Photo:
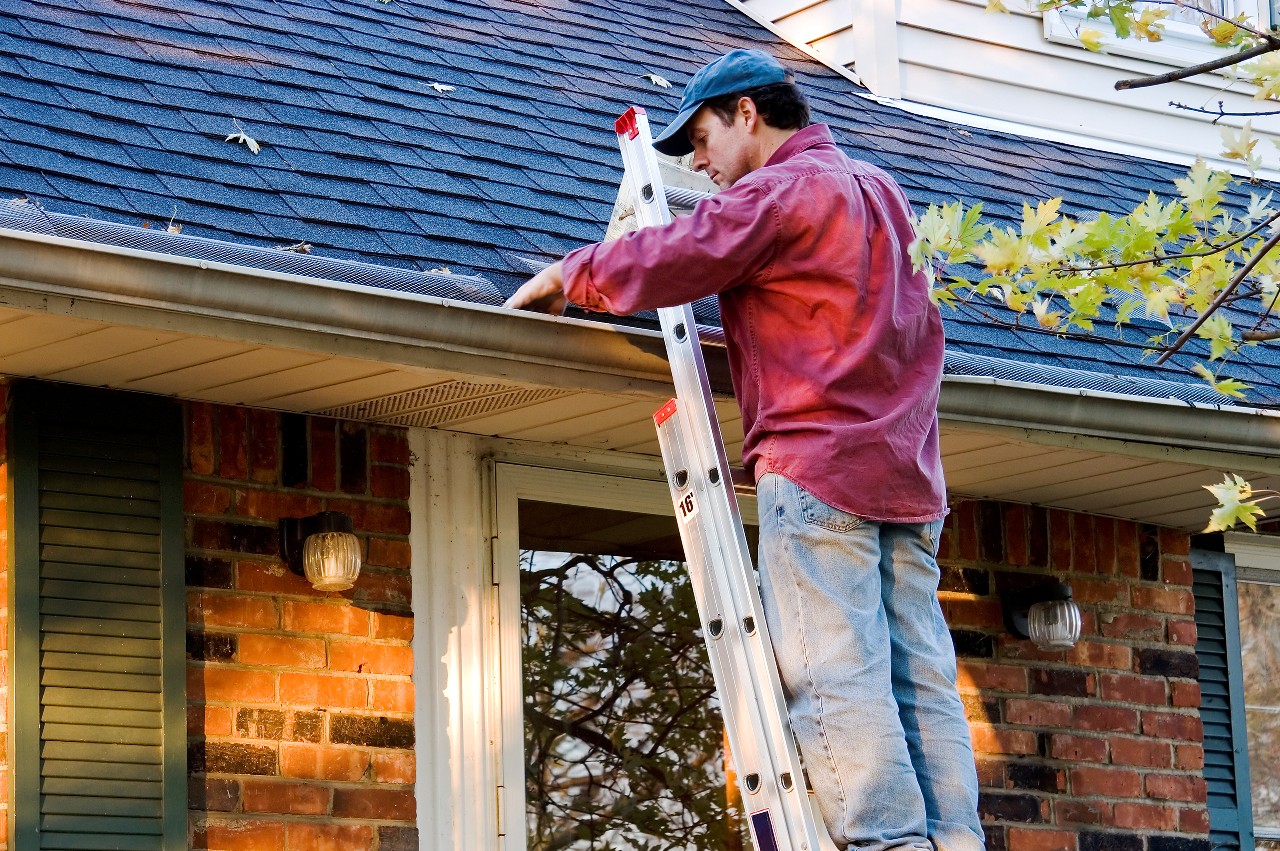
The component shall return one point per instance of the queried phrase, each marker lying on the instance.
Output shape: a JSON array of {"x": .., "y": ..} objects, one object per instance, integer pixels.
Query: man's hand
[{"x": 543, "y": 292}]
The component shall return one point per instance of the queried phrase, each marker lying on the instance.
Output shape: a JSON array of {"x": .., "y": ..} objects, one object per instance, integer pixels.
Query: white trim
[
  {"x": 1261, "y": 552},
  {"x": 875, "y": 46},
  {"x": 513, "y": 482}
]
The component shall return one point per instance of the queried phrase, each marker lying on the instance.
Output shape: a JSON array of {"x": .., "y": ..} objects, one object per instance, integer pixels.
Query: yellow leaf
[
  {"x": 1240, "y": 144},
  {"x": 1091, "y": 39},
  {"x": 1149, "y": 24},
  {"x": 995, "y": 7},
  {"x": 1237, "y": 503}
]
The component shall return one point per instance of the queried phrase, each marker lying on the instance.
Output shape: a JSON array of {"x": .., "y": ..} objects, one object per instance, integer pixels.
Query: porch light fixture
[
  {"x": 1046, "y": 614},
  {"x": 323, "y": 548}
]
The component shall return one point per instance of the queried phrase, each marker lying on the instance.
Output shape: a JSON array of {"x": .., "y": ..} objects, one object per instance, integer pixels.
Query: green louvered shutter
[
  {"x": 1226, "y": 751},
  {"x": 98, "y": 621}
]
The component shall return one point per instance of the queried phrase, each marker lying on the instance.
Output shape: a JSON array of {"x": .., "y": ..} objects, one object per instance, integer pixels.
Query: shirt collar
[{"x": 802, "y": 140}]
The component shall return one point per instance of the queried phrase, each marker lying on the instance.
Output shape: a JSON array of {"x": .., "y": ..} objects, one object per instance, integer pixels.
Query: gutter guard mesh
[{"x": 33, "y": 218}]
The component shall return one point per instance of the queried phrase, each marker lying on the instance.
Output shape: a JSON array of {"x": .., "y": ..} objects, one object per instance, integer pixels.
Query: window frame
[
  {"x": 512, "y": 483},
  {"x": 1257, "y": 560},
  {"x": 1182, "y": 46}
]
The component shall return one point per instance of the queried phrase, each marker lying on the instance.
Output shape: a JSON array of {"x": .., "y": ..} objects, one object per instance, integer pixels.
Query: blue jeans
[{"x": 869, "y": 672}]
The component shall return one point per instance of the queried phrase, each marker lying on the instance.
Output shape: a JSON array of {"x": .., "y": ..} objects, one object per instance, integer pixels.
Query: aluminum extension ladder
[{"x": 780, "y": 814}]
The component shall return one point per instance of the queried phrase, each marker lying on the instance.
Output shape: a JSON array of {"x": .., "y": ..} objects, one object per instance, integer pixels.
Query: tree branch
[
  {"x": 1269, "y": 44},
  {"x": 1260, "y": 336},
  {"x": 1271, "y": 243},
  {"x": 1220, "y": 112}
]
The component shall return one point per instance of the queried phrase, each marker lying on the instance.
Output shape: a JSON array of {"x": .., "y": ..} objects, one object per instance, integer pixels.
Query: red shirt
[{"x": 834, "y": 345}]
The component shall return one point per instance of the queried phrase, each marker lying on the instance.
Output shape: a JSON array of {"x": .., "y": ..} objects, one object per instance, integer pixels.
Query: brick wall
[
  {"x": 1097, "y": 748},
  {"x": 4, "y": 616},
  {"x": 300, "y": 702}
]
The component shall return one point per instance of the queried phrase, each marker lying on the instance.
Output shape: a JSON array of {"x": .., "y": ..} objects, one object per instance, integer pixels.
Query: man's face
[{"x": 721, "y": 149}]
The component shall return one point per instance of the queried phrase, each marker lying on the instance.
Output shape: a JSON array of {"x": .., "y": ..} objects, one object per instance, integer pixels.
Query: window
[{"x": 1183, "y": 43}]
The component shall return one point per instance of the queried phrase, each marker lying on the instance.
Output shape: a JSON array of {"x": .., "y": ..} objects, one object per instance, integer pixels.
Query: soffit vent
[{"x": 445, "y": 404}]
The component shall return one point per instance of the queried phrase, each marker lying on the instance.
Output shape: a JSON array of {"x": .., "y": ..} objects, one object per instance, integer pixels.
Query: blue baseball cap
[{"x": 734, "y": 72}]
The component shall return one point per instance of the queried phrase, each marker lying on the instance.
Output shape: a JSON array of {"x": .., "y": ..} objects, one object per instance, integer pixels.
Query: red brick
[
  {"x": 1106, "y": 782},
  {"x": 324, "y": 454},
  {"x": 1015, "y": 535},
  {"x": 1193, "y": 820},
  {"x": 392, "y": 696},
  {"x": 1188, "y": 757},
  {"x": 1129, "y": 626},
  {"x": 384, "y": 518},
  {"x": 241, "y": 835},
  {"x": 282, "y": 651},
  {"x": 1170, "y": 725},
  {"x": 231, "y": 684},
  {"x": 1182, "y": 632},
  {"x": 389, "y": 447},
  {"x": 312, "y": 762},
  {"x": 360, "y": 657},
  {"x": 1143, "y": 752},
  {"x": 1178, "y": 601},
  {"x": 202, "y": 498},
  {"x": 389, "y": 482},
  {"x": 231, "y": 610},
  {"x": 1131, "y": 688},
  {"x": 1175, "y": 570},
  {"x": 1104, "y": 545},
  {"x": 233, "y": 442},
  {"x": 264, "y": 446},
  {"x": 270, "y": 577},
  {"x": 1081, "y": 812},
  {"x": 1127, "y": 551},
  {"x": 272, "y": 504},
  {"x": 1185, "y": 694},
  {"x": 1112, "y": 719},
  {"x": 313, "y": 836},
  {"x": 328, "y": 692},
  {"x": 965, "y": 540},
  {"x": 989, "y": 739},
  {"x": 392, "y": 627},
  {"x": 1174, "y": 543},
  {"x": 972, "y": 612},
  {"x": 1040, "y": 839},
  {"x": 302, "y": 799},
  {"x": 991, "y": 772},
  {"x": 1176, "y": 787},
  {"x": 1096, "y": 654},
  {"x": 393, "y": 589},
  {"x": 1105, "y": 591},
  {"x": 1139, "y": 816},
  {"x": 326, "y": 618},
  {"x": 1078, "y": 748},
  {"x": 388, "y": 552},
  {"x": 200, "y": 438},
  {"x": 209, "y": 720},
  {"x": 985, "y": 675},
  {"x": 1059, "y": 540},
  {"x": 1038, "y": 713},
  {"x": 394, "y": 804},
  {"x": 394, "y": 768},
  {"x": 1083, "y": 557}
]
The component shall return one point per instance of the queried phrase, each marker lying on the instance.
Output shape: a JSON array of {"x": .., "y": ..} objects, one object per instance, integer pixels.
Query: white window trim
[
  {"x": 1183, "y": 44},
  {"x": 1257, "y": 560},
  {"x": 512, "y": 483}
]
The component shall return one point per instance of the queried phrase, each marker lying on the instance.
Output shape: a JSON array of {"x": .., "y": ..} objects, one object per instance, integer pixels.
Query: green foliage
[{"x": 623, "y": 734}]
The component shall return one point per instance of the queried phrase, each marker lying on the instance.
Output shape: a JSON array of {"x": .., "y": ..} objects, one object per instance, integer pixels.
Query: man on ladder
[{"x": 836, "y": 356}]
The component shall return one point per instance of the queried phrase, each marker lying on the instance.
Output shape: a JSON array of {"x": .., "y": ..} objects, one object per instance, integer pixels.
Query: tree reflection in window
[{"x": 623, "y": 734}]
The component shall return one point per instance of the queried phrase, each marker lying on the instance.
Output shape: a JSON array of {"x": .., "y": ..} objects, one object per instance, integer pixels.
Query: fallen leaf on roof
[
  {"x": 441, "y": 87},
  {"x": 660, "y": 82},
  {"x": 296, "y": 248},
  {"x": 242, "y": 137},
  {"x": 439, "y": 270},
  {"x": 19, "y": 200}
]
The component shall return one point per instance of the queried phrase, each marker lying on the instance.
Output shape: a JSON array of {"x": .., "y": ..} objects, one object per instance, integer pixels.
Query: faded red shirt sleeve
[{"x": 729, "y": 239}]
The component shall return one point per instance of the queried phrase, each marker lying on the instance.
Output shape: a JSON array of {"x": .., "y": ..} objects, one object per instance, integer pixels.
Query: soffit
[{"x": 1143, "y": 482}]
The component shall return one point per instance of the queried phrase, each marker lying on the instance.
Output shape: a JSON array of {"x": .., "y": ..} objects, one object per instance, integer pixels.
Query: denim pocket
[{"x": 818, "y": 513}]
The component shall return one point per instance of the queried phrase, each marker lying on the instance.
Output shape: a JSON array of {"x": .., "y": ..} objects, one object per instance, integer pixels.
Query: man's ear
[{"x": 747, "y": 110}]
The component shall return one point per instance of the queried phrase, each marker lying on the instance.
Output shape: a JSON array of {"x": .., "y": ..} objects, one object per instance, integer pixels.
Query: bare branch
[
  {"x": 1260, "y": 336},
  {"x": 1269, "y": 43},
  {"x": 1271, "y": 243},
  {"x": 1220, "y": 112}
]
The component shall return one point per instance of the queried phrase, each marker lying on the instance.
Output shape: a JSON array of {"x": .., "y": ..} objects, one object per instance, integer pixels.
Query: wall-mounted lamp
[
  {"x": 1044, "y": 613},
  {"x": 323, "y": 548}
]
